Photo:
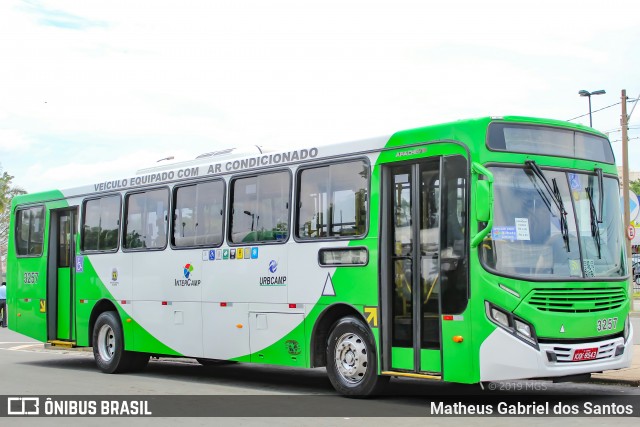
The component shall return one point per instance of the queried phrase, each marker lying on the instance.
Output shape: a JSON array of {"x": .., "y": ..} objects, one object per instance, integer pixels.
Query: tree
[
  {"x": 7, "y": 192},
  {"x": 635, "y": 186}
]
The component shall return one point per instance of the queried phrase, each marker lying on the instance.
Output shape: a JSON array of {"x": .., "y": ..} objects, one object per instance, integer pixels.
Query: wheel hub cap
[
  {"x": 351, "y": 358},
  {"x": 106, "y": 343}
]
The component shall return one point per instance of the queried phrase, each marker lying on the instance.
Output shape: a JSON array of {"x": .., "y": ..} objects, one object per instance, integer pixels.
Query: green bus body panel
[
  {"x": 460, "y": 359},
  {"x": 402, "y": 358},
  {"x": 430, "y": 360},
  {"x": 24, "y": 299}
]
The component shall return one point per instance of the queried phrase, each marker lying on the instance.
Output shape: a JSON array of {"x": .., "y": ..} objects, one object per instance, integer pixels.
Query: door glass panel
[
  {"x": 402, "y": 298},
  {"x": 429, "y": 249},
  {"x": 64, "y": 227},
  {"x": 453, "y": 259}
]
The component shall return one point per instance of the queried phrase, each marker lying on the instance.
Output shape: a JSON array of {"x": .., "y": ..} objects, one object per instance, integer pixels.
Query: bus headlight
[
  {"x": 512, "y": 324},
  {"x": 500, "y": 317},
  {"x": 627, "y": 328},
  {"x": 522, "y": 328}
]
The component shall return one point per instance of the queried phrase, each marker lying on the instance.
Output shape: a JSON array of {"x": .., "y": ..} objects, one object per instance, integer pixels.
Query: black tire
[
  {"x": 351, "y": 359},
  {"x": 108, "y": 347},
  {"x": 214, "y": 362}
]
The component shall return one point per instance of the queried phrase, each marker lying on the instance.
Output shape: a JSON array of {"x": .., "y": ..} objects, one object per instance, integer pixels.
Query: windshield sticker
[
  {"x": 589, "y": 268},
  {"x": 574, "y": 268},
  {"x": 522, "y": 229},
  {"x": 503, "y": 233},
  {"x": 574, "y": 182}
]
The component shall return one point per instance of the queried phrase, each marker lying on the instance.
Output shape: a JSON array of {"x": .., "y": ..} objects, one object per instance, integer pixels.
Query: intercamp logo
[
  {"x": 187, "y": 270},
  {"x": 23, "y": 406},
  {"x": 188, "y": 280}
]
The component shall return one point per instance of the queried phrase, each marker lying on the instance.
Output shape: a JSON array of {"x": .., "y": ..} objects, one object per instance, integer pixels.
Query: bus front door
[
  {"x": 60, "y": 301},
  {"x": 412, "y": 307}
]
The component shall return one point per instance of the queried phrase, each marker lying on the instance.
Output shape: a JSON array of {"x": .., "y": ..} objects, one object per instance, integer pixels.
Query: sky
[{"x": 91, "y": 90}]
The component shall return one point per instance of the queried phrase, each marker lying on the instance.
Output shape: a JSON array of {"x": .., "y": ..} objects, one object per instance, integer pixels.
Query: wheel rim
[
  {"x": 106, "y": 343},
  {"x": 351, "y": 358}
]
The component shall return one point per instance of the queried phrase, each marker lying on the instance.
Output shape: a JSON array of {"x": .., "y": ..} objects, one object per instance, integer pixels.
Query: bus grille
[{"x": 588, "y": 300}]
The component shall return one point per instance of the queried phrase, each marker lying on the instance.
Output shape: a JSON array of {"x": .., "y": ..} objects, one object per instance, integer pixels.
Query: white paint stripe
[
  {"x": 43, "y": 351},
  {"x": 19, "y": 342},
  {"x": 19, "y": 347}
]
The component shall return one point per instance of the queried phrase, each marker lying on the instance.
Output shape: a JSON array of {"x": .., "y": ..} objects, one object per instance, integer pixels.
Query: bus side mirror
[{"x": 483, "y": 201}]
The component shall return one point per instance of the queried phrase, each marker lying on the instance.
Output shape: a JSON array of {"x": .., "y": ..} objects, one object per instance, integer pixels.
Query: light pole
[{"x": 588, "y": 95}]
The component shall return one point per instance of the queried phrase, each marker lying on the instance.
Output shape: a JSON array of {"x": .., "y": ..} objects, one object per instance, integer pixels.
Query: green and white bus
[{"x": 479, "y": 250}]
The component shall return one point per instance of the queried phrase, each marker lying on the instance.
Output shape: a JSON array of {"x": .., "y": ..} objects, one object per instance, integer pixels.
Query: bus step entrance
[
  {"x": 57, "y": 344},
  {"x": 426, "y": 376}
]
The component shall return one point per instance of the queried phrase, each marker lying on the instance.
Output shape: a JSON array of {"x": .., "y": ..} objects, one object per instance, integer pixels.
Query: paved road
[{"x": 29, "y": 369}]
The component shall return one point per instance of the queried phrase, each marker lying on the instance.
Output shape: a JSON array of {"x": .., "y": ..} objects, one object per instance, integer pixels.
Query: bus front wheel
[
  {"x": 351, "y": 359},
  {"x": 108, "y": 347}
]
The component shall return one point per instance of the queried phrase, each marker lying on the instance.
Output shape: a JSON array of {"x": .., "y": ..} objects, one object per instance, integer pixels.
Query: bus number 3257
[{"x": 607, "y": 324}]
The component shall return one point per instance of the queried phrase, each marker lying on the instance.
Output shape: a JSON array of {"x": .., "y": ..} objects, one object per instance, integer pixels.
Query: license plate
[{"x": 585, "y": 354}]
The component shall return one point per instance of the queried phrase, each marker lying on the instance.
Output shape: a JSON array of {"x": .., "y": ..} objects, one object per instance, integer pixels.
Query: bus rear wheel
[
  {"x": 351, "y": 359},
  {"x": 108, "y": 347}
]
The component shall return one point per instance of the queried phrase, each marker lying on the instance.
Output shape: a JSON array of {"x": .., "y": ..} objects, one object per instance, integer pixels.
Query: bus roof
[{"x": 469, "y": 131}]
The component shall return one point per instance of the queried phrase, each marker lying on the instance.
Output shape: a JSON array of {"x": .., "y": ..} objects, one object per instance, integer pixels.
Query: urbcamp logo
[
  {"x": 188, "y": 280},
  {"x": 273, "y": 280},
  {"x": 273, "y": 266}
]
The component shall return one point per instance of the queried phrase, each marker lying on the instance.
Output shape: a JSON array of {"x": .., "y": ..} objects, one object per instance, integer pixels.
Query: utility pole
[{"x": 625, "y": 185}]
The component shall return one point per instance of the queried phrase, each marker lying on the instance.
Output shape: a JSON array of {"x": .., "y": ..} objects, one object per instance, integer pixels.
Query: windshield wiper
[
  {"x": 563, "y": 218},
  {"x": 595, "y": 228},
  {"x": 601, "y": 192},
  {"x": 556, "y": 197}
]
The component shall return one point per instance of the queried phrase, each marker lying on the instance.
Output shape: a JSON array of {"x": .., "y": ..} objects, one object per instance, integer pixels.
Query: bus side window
[
  {"x": 133, "y": 226},
  {"x": 30, "y": 231},
  {"x": 312, "y": 203},
  {"x": 100, "y": 224},
  {"x": 184, "y": 216},
  {"x": 332, "y": 200},
  {"x": 22, "y": 232},
  {"x": 259, "y": 208},
  {"x": 147, "y": 216}
]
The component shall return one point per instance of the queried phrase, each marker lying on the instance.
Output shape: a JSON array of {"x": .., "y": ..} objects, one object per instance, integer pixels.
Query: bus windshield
[{"x": 554, "y": 230}]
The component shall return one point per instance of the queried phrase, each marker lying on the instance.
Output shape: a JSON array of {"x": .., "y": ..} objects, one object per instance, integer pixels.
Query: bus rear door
[{"x": 62, "y": 268}]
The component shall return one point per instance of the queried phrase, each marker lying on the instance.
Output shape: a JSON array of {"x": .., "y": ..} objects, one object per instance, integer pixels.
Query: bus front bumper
[{"x": 505, "y": 357}]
